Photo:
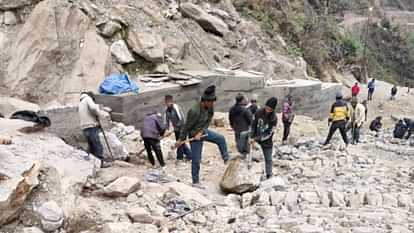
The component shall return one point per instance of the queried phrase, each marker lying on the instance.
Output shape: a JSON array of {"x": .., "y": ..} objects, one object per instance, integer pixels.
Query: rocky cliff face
[{"x": 55, "y": 49}]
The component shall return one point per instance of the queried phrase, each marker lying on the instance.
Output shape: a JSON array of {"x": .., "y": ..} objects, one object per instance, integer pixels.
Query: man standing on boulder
[
  {"x": 89, "y": 114},
  {"x": 175, "y": 116},
  {"x": 196, "y": 128},
  {"x": 264, "y": 123},
  {"x": 338, "y": 119},
  {"x": 240, "y": 121}
]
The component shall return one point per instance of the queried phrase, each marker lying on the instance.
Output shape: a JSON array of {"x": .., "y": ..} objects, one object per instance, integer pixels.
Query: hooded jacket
[
  {"x": 263, "y": 126},
  {"x": 357, "y": 114},
  {"x": 240, "y": 118},
  {"x": 153, "y": 127},
  {"x": 88, "y": 112}
]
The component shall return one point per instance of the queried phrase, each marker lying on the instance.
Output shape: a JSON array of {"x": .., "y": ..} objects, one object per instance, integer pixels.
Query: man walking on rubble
[
  {"x": 152, "y": 130},
  {"x": 262, "y": 131},
  {"x": 89, "y": 114},
  {"x": 196, "y": 128},
  {"x": 175, "y": 116},
  {"x": 338, "y": 119},
  {"x": 287, "y": 117},
  {"x": 357, "y": 113},
  {"x": 240, "y": 119}
]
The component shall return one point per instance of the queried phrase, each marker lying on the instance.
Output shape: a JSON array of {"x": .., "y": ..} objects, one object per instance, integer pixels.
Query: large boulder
[
  {"x": 237, "y": 178},
  {"x": 208, "y": 22},
  {"x": 122, "y": 186},
  {"x": 55, "y": 56},
  {"x": 17, "y": 180},
  {"x": 147, "y": 45},
  {"x": 10, "y": 105},
  {"x": 120, "y": 51},
  {"x": 14, "y": 4},
  {"x": 118, "y": 150},
  {"x": 51, "y": 216}
]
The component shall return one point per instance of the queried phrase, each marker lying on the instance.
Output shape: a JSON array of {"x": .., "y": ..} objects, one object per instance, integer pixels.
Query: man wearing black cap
[
  {"x": 196, "y": 128},
  {"x": 240, "y": 121},
  {"x": 338, "y": 119},
  {"x": 264, "y": 123}
]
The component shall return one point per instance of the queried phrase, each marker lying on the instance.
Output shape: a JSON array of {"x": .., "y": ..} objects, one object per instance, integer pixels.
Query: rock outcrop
[
  {"x": 44, "y": 59},
  {"x": 147, "y": 45}
]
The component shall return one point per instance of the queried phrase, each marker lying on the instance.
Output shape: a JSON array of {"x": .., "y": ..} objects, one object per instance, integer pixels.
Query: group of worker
[{"x": 252, "y": 125}]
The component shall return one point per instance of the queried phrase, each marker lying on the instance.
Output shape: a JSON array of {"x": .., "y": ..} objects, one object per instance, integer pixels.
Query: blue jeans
[
  {"x": 197, "y": 149},
  {"x": 95, "y": 146},
  {"x": 183, "y": 149}
]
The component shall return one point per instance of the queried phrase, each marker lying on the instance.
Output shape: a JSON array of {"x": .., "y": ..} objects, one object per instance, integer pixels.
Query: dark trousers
[
  {"x": 410, "y": 131},
  {"x": 95, "y": 145},
  {"x": 268, "y": 153},
  {"x": 183, "y": 149},
  {"x": 242, "y": 142},
  {"x": 356, "y": 133},
  {"x": 197, "y": 149},
  {"x": 154, "y": 145},
  {"x": 286, "y": 130},
  {"x": 341, "y": 125},
  {"x": 370, "y": 93}
]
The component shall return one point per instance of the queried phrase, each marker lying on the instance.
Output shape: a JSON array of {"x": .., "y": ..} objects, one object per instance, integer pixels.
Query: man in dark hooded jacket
[
  {"x": 410, "y": 125},
  {"x": 400, "y": 129},
  {"x": 240, "y": 121},
  {"x": 264, "y": 123}
]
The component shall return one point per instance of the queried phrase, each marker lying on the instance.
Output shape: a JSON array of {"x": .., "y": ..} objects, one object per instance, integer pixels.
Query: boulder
[
  {"x": 208, "y": 22},
  {"x": 291, "y": 200},
  {"x": 110, "y": 28},
  {"x": 9, "y": 18},
  {"x": 69, "y": 56},
  {"x": 122, "y": 186},
  {"x": 14, "y": 4},
  {"x": 237, "y": 178},
  {"x": 16, "y": 185},
  {"x": 121, "y": 53},
  {"x": 141, "y": 215},
  {"x": 10, "y": 105},
  {"x": 147, "y": 45},
  {"x": 277, "y": 197},
  {"x": 336, "y": 199},
  {"x": 276, "y": 183},
  {"x": 119, "y": 151},
  {"x": 51, "y": 216}
]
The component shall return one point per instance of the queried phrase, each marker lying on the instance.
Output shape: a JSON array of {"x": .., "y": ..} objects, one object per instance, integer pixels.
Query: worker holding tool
[
  {"x": 152, "y": 130},
  {"x": 175, "y": 117},
  {"x": 262, "y": 131},
  {"x": 196, "y": 128},
  {"x": 89, "y": 114}
]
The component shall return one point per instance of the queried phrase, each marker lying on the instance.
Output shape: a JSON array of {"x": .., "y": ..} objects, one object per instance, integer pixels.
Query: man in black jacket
[
  {"x": 240, "y": 121},
  {"x": 264, "y": 123}
]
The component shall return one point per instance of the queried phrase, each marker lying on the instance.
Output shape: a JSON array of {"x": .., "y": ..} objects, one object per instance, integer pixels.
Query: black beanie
[
  {"x": 209, "y": 94},
  {"x": 271, "y": 103}
]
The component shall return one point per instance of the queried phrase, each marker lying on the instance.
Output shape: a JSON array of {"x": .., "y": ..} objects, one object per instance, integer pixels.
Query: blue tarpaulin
[{"x": 118, "y": 84}]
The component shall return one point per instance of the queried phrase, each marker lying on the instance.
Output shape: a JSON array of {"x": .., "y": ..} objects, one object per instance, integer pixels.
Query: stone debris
[
  {"x": 119, "y": 152},
  {"x": 9, "y": 18},
  {"x": 51, "y": 216},
  {"x": 208, "y": 22},
  {"x": 122, "y": 187}
]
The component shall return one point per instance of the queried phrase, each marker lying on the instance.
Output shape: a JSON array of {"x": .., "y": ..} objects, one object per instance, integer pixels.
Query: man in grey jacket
[
  {"x": 175, "y": 116},
  {"x": 152, "y": 130},
  {"x": 89, "y": 113}
]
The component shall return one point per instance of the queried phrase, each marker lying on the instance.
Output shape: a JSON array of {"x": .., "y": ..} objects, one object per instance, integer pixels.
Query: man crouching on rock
[
  {"x": 196, "y": 128},
  {"x": 264, "y": 123},
  {"x": 89, "y": 114}
]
